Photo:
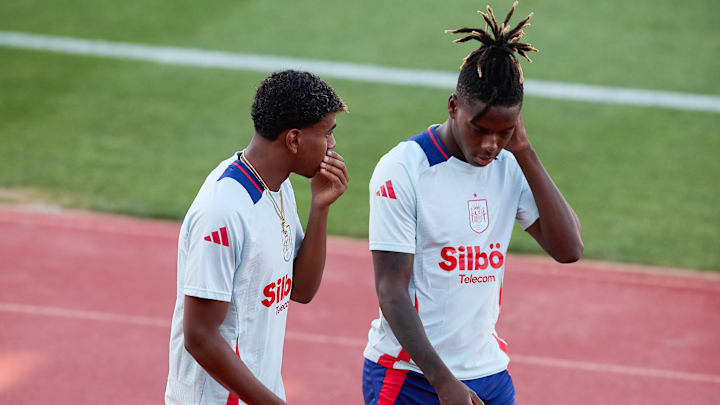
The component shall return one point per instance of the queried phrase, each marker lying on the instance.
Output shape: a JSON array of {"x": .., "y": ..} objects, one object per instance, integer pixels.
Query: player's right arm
[
  {"x": 207, "y": 286},
  {"x": 393, "y": 224},
  {"x": 392, "y": 276},
  {"x": 201, "y": 322}
]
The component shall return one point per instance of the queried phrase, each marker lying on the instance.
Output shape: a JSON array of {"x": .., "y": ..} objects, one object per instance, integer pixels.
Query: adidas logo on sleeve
[
  {"x": 386, "y": 190},
  {"x": 219, "y": 237}
]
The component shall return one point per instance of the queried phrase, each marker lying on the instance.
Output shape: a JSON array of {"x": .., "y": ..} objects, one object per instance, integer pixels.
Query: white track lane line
[
  {"x": 25, "y": 309},
  {"x": 348, "y": 71}
]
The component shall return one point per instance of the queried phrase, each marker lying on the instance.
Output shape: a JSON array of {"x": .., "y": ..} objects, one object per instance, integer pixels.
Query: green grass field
[{"x": 138, "y": 138}]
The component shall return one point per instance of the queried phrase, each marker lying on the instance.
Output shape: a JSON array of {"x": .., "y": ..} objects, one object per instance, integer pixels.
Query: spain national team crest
[
  {"x": 287, "y": 244},
  {"x": 479, "y": 215}
]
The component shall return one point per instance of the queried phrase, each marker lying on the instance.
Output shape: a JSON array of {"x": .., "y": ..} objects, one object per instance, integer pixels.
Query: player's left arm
[
  {"x": 557, "y": 229},
  {"x": 326, "y": 186}
]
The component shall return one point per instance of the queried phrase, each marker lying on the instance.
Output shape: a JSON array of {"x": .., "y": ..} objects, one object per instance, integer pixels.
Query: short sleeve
[
  {"x": 527, "y": 212},
  {"x": 393, "y": 213},
  {"x": 214, "y": 241}
]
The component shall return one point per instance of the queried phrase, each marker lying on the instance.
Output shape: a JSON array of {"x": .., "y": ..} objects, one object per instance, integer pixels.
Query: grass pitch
[{"x": 139, "y": 138}]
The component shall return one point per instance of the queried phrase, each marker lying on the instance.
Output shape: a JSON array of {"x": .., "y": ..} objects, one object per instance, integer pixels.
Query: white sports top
[
  {"x": 457, "y": 220},
  {"x": 231, "y": 249}
]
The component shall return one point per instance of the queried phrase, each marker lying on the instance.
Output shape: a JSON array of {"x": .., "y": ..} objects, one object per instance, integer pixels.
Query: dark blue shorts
[{"x": 387, "y": 386}]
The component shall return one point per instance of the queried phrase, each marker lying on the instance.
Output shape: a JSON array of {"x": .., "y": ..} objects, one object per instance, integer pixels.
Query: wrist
[
  {"x": 440, "y": 379},
  {"x": 523, "y": 152},
  {"x": 319, "y": 207}
]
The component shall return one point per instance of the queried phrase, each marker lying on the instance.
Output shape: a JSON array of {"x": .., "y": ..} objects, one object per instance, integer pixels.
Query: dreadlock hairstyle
[{"x": 492, "y": 73}]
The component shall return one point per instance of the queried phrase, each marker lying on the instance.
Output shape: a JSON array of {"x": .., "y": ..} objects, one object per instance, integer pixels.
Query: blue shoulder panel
[
  {"x": 434, "y": 150},
  {"x": 240, "y": 173}
]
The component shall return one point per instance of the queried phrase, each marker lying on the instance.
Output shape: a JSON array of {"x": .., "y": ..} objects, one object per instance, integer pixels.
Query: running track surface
[{"x": 86, "y": 301}]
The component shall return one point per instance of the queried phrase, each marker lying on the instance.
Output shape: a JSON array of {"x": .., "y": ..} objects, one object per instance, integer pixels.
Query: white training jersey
[
  {"x": 231, "y": 248},
  {"x": 457, "y": 220}
]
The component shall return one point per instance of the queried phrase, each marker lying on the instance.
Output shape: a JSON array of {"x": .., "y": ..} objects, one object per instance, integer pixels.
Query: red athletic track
[{"x": 86, "y": 300}]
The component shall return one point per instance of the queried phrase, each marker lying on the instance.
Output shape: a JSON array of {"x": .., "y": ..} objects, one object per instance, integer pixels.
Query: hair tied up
[{"x": 497, "y": 38}]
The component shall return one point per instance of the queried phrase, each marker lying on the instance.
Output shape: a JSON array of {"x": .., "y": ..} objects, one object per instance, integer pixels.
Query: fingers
[
  {"x": 334, "y": 164},
  {"x": 333, "y": 173},
  {"x": 334, "y": 158},
  {"x": 335, "y": 155},
  {"x": 475, "y": 399}
]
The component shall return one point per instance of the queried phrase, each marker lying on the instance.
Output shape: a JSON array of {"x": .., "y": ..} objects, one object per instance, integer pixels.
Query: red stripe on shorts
[
  {"x": 394, "y": 379},
  {"x": 391, "y": 386}
]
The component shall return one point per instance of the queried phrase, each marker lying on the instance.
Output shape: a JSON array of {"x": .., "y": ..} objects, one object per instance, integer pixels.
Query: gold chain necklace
[{"x": 280, "y": 210}]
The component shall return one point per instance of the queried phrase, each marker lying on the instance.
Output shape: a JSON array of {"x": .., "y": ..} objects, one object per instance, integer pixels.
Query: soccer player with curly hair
[
  {"x": 242, "y": 253},
  {"x": 442, "y": 209}
]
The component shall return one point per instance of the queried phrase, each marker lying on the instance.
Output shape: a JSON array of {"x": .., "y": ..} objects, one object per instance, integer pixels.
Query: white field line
[
  {"x": 359, "y": 343},
  {"x": 348, "y": 71}
]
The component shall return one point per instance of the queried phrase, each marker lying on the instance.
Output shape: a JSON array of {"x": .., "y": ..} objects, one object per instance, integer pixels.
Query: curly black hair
[
  {"x": 492, "y": 73},
  {"x": 292, "y": 99}
]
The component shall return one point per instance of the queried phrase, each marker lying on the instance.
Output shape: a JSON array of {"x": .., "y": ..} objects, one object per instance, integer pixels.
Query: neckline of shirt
[{"x": 263, "y": 189}]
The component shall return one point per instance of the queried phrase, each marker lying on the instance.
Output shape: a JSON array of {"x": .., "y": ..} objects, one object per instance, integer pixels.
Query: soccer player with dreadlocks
[{"x": 442, "y": 209}]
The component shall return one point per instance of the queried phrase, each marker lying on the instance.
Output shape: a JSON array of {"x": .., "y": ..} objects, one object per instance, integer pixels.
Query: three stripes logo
[
  {"x": 219, "y": 237},
  {"x": 386, "y": 190}
]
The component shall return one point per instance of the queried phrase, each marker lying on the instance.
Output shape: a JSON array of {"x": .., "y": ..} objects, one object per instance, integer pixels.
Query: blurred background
[
  {"x": 137, "y": 137},
  {"x": 86, "y": 299}
]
